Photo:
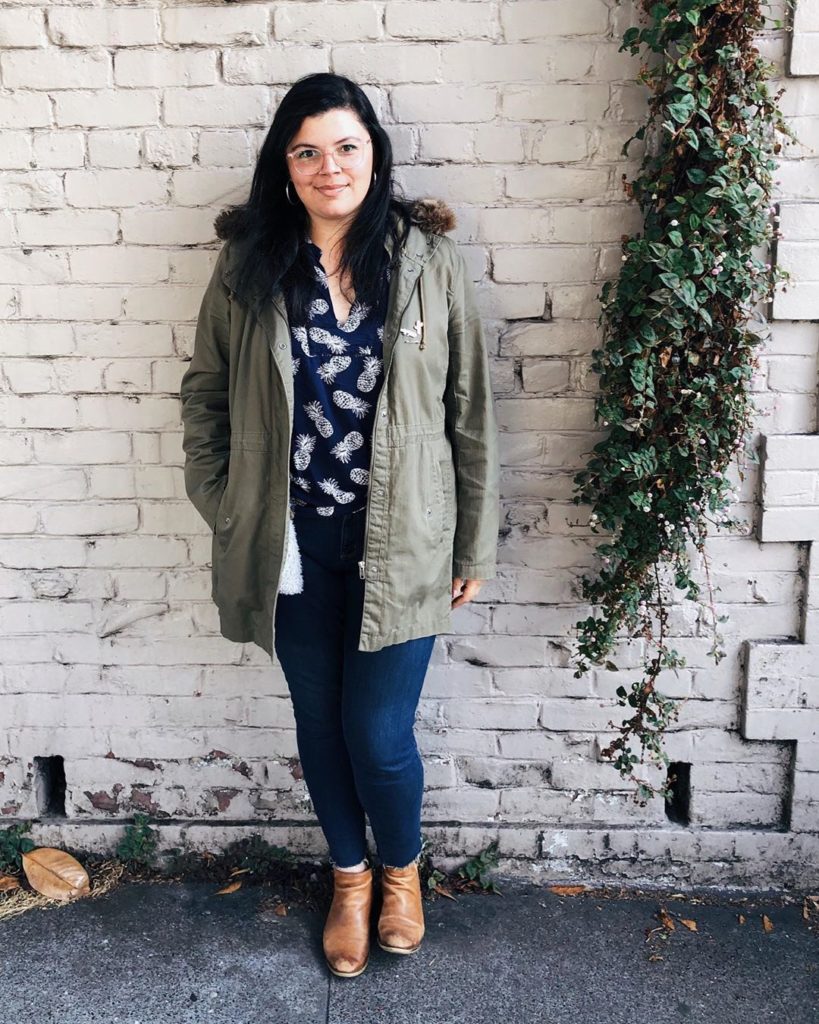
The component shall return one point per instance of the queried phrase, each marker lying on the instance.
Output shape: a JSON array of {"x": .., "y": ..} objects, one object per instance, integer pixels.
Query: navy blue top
[{"x": 337, "y": 376}]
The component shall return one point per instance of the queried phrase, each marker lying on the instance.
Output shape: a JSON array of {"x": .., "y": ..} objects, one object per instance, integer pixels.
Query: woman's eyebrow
[{"x": 336, "y": 143}]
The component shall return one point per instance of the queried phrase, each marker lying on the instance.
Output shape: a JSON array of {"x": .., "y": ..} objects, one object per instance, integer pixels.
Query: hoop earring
[
  {"x": 287, "y": 193},
  {"x": 375, "y": 177}
]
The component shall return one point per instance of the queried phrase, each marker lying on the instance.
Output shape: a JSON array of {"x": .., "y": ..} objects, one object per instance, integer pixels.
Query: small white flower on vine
[{"x": 674, "y": 223}]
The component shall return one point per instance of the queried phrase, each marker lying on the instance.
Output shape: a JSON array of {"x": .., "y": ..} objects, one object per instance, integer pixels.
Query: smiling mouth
[{"x": 331, "y": 189}]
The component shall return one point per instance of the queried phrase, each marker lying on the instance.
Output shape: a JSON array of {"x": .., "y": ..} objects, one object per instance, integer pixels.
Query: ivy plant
[{"x": 681, "y": 325}]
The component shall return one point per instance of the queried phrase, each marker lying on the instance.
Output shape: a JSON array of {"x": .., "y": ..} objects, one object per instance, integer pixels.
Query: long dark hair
[{"x": 275, "y": 254}]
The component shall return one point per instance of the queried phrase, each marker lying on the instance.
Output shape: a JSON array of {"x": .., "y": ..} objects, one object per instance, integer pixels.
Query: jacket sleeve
[
  {"x": 204, "y": 395},
  {"x": 472, "y": 429}
]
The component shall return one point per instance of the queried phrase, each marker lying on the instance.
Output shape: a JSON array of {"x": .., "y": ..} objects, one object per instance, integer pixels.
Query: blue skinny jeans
[{"x": 354, "y": 710}]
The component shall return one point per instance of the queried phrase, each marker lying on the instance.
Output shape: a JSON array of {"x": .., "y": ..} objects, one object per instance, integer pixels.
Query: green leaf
[
  {"x": 682, "y": 110},
  {"x": 648, "y": 332},
  {"x": 688, "y": 293}
]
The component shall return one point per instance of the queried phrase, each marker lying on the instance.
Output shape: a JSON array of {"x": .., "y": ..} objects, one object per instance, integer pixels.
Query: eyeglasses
[{"x": 347, "y": 155}]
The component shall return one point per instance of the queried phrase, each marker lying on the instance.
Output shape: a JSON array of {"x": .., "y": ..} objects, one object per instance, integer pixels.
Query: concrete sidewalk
[{"x": 177, "y": 953}]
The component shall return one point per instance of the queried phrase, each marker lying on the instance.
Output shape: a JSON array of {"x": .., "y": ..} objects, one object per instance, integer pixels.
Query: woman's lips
[{"x": 333, "y": 190}]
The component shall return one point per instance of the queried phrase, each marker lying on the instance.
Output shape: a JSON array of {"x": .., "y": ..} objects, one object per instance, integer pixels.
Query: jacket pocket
[{"x": 223, "y": 519}]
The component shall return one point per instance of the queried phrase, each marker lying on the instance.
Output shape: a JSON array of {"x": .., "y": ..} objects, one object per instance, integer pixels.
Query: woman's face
[{"x": 324, "y": 133}]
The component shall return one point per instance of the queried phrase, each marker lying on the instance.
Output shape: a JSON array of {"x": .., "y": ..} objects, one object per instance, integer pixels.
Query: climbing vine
[{"x": 681, "y": 325}]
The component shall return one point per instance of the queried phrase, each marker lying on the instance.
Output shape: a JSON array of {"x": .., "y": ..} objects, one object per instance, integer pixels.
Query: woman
[{"x": 340, "y": 441}]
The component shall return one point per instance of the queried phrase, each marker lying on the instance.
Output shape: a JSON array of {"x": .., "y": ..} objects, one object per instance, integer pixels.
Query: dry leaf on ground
[
  {"x": 55, "y": 873},
  {"x": 667, "y": 921},
  {"x": 567, "y": 890},
  {"x": 232, "y": 887}
]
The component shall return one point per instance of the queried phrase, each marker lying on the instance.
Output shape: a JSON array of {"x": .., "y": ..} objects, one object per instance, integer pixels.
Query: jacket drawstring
[{"x": 421, "y": 300}]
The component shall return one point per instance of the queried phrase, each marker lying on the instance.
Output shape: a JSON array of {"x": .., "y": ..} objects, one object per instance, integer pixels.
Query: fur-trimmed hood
[{"x": 433, "y": 216}]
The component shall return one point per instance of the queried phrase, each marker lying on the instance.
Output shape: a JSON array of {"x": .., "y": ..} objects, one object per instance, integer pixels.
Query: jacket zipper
[
  {"x": 362, "y": 565},
  {"x": 289, "y": 511}
]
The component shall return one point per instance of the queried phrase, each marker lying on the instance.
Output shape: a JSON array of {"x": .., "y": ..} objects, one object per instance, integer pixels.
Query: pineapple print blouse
[{"x": 337, "y": 374}]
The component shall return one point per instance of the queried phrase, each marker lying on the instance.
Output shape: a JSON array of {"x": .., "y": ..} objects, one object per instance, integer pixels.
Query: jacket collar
[{"x": 430, "y": 219}]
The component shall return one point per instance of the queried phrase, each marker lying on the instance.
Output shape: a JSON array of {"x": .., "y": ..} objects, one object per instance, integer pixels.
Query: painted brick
[
  {"x": 425, "y": 19},
  {"x": 428, "y": 103},
  {"x": 83, "y": 28},
  {"x": 155, "y": 68},
  {"x": 388, "y": 63},
  {"x": 110, "y": 108},
  {"x": 216, "y": 106},
  {"x": 22, "y": 28},
  {"x": 219, "y": 26},
  {"x": 328, "y": 22},
  {"x": 49, "y": 70},
  {"x": 536, "y": 19},
  {"x": 805, "y": 39},
  {"x": 272, "y": 63}
]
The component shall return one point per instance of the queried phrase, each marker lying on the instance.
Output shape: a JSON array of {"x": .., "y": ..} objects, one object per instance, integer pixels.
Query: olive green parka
[{"x": 433, "y": 502}]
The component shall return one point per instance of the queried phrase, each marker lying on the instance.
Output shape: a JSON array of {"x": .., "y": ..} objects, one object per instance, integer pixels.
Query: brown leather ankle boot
[
  {"x": 401, "y": 922},
  {"x": 346, "y": 936}
]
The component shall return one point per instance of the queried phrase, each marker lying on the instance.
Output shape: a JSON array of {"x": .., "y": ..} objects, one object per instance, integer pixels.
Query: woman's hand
[{"x": 470, "y": 590}]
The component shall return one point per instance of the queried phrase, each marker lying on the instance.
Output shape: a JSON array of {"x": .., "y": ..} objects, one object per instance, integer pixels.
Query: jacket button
[
  {"x": 281, "y": 344},
  {"x": 383, "y": 414},
  {"x": 429, "y": 511},
  {"x": 227, "y": 519}
]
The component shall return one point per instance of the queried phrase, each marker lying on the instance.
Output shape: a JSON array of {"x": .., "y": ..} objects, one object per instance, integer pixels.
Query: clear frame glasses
[{"x": 347, "y": 155}]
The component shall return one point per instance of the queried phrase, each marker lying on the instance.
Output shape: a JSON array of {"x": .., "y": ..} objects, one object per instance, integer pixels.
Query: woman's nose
[{"x": 325, "y": 158}]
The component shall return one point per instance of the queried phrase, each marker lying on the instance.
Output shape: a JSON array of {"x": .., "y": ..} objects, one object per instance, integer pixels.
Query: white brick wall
[{"x": 124, "y": 131}]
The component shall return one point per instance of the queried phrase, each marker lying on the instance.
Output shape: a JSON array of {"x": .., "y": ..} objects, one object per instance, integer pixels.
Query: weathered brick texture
[{"x": 124, "y": 131}]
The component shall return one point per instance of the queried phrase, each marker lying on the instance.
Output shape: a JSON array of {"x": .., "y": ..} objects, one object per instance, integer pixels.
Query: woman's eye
[
  {"x": 350, "y": 146},
  {"x": 304, "y": 154}
]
